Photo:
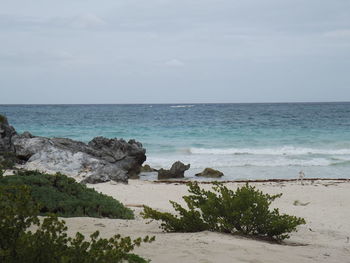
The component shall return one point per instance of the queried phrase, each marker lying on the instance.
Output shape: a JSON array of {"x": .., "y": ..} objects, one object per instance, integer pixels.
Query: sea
[{"x": 244, "y": 141}]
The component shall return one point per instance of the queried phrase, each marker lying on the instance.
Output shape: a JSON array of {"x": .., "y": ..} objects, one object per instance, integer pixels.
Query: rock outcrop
[
  {"x": 98, "y": 161},
  {"x": 177, "y": 170},
  {"x": 6, "y": 133},
  {"x": 147, "y": 169},
  {"x": 7, "y": 150},
  {"x": 210, "y": 173}
]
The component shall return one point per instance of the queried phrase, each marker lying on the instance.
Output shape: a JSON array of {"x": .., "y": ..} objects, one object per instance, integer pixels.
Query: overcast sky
[{"x": 174, "y": 51}]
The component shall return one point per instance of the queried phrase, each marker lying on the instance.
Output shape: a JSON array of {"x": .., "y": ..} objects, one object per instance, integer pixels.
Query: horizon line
[{"x": 172, "y": 103}]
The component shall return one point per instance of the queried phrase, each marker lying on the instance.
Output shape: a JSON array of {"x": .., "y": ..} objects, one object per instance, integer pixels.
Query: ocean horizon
[
  {"x": 170, "y": 103},
  {"x": 243, "y": 140}
]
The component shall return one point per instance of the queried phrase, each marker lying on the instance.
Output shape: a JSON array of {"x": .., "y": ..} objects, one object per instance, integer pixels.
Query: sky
[{"x": 174, "y": 51}]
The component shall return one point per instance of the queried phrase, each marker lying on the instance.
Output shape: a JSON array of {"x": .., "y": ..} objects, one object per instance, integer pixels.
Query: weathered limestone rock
[
  {"x": 177, "y": 170},
  {"x": 98, "y": 161}
]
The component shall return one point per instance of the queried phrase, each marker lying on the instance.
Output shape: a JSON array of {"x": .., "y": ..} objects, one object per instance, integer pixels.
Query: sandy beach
[{"x": 324, "y": 238}]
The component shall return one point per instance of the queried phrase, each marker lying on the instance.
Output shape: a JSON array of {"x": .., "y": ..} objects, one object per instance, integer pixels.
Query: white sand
[{"x": 323, "y": 239}]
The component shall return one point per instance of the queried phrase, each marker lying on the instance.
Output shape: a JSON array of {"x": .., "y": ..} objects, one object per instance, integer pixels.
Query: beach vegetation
[
  {"x": 26, "y": 238},
  {"x": 245, "y": 211},
  {"x": 2, "y": 119},
  {"x": 63, "y": 196},
  {"x": 7, "y": 160}
]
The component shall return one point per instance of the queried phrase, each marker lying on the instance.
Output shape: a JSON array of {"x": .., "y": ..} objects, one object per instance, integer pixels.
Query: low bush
[
  {"x": 7, "y": 160},
  {"x": 245, "y": 211},
  {"x": 2, "y": 119},
  {"x": 50, "y": 243},
  {"x": 65, "y": 197}
]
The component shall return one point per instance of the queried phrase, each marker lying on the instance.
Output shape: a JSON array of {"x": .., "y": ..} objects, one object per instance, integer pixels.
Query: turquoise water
[{"x": 242, "y": 140}]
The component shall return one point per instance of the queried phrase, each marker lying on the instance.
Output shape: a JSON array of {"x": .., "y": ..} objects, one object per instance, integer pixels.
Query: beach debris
[
  {"x": 211, "y": 173},
  {"x": 298, "y": 203},
  {"x": 134, "y": 205},
  {"x": 330, "y": 183},
  {"x": 100, "y": 160},
  {"x": 177, "y": 170},
  {"x": 301, "y": 177}
]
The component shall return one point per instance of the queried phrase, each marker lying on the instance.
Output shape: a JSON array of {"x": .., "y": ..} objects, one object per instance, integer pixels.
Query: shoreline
[{"x": 212, "y": 180}]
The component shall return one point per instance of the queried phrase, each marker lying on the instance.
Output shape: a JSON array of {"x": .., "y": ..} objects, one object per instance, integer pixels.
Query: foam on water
[
  {"x": 181, "y": 106},
  {"x": 284, "y": 150},
  {"x": 203, "y": 161}
]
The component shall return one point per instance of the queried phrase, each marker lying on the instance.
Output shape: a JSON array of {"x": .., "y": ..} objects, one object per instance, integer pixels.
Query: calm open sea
[{"x": 242, "y": 140}]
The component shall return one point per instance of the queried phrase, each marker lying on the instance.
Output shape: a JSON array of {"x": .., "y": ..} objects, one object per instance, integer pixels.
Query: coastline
[
  {"x": 244, "y": 141},
  {"x": 323, "y": 203},
  {"x": 281, "y": 180}
]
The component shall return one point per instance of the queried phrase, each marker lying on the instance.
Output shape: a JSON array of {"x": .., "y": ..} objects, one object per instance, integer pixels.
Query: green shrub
[
  {"x": 2, "y": 119},
  {"x": 63, "y": 196},
  {"x": 244, "y": 211},
  {"x": 187, "y": 220},
  {"x": 7, "y": 160},
  {"x": 50, "y": 243}
]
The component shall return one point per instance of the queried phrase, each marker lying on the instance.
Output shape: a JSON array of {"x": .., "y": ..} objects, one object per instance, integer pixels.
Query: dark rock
[
  {"x": 98, "y": 161},
  {"x": 7, "y": 150},
  {"x": 209, "y": 172},
  {"x": 147, "y": 169},
  {"x": 6, "y": 134},
  {"x": 105, "y": 174},
  {"x": 128, "y": 156},
  {"x": 177, "y": 170},
  {"x": 134, "y": 177}
]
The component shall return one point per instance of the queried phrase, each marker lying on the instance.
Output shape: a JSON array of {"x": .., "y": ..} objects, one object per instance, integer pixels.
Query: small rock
[
  {"x": 177, "y": 170},
  {"x": 147, "y": 169},
  {"x": 210, "y": 172}
]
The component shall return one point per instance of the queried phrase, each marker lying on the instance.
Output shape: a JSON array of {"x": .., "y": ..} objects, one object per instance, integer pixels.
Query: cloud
[
  {"x": 36, "y": 58},
  {"x": 88, "y": 20},
  {"x": 340, "y": 33},
  {"x": 174, "y": 63},
  {"x": 10, "y": 22},
  {"x": 81, "y": 21},
  {"x": 149, "y": 43}
]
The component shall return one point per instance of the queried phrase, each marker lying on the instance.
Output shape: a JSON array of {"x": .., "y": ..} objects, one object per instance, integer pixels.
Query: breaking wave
[
  {"x": 287, "y": 156},
  {"x": 203, "y": 161},
  {"x": 181, "y": 106},
  {"x": 287, "y": 150}
]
